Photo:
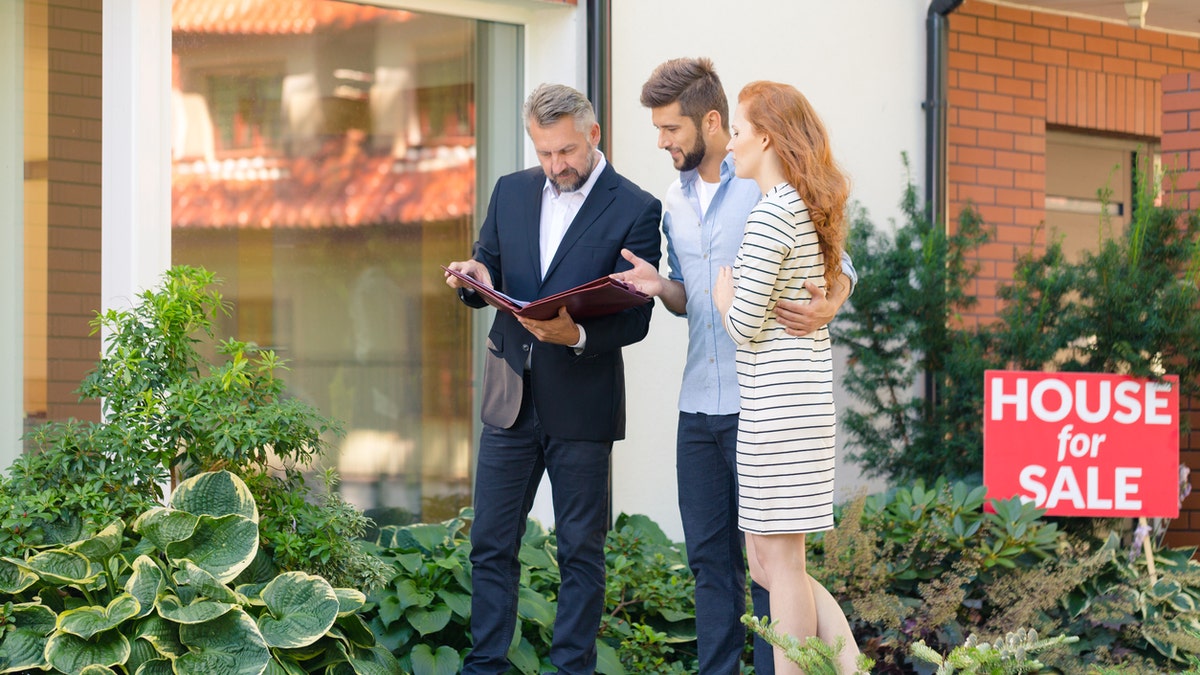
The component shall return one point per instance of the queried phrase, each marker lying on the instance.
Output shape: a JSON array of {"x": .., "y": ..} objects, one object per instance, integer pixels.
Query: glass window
[{"x": 324, "y": 166}]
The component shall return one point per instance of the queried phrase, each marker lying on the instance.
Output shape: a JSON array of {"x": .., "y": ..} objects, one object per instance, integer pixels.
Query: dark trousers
[
  {"x": 706, "y": 468},
  {"x": 511, "y": 463}
]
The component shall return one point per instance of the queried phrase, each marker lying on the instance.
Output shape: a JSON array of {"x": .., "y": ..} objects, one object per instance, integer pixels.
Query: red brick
[
  {"x": 1049, "y": 20},
  {"x": 961, "y": 98},
  {"x": 1014, "y": 87},
  {"x": 1012, "y": 234},
  {"x": 977, "y": 194},
  {"x": 978, "y": 119},
  {"x": 1175, "y": 121},
  {"x": 1081, "y": 61},
  {"x": 984, "y": 9},
  {"x": 995, "y": 103},
  {"x": 1032, "y": 35},
  {"x": 1100, "y": 45},
  {"x": 959, "y": 60},
  {"x": 977, "y": 45},
  {"x": 996, "y": 29},
  {"x": 960, "y": 136},
  {"x": 1050, "y": 55},
  {"x": 993, "y": 214},
  {"x": 1013, "y": 160},
  {"x": 1183, "y": 42},
  {"x": 1030, "y": 71},
  {"x": 996, "y": 139},
  {"x": 1177, "y": 102},
  {"x": 1030, "y": 181},
  {"x": 960, "y": 173},
  {"x": 995, "y": 66},
  {"x": 1166, "y": 56},
  {"x": 976, "y": 156},
  {"x": 977, "y": 82},
  {"x": 962, "y": 23},
  {"x": 1118, "y": 32},
  {"x": 1193, "y": 121},
  {"x": 1068, "y": 41},
  {"x": 1013, "y": 15},
  {"x": 1118, "y": 66},
  {"x": 1022, "y": 198},
  {"x": 1132, "y": 50},
  {"x": 1084, "y": 26},
  {"x": 995, "y": 177},
  {"x": 1150, "y": 71},
  {"x": 1032, "y": 144},
  {"x": 1152, "y": 37},
  {"x": 1015, "y": 123},
  {"x": 1014, "y": 51},
  {"x": 1191, "y": 60}
]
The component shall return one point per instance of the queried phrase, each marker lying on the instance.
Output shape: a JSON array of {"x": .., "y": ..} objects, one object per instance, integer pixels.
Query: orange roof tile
[
  {"x": 347, "y": 189},
  {"x": 274, "y": 17}
]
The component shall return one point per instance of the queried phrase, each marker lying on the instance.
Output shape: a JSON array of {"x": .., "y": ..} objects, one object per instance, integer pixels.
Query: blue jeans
[
  {"x": 511, "y": 463},
  {"x": 706, "y": 468}
]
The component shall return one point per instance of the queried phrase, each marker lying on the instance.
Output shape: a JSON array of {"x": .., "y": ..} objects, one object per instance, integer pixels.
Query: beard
[
  {"x": 692, "y": 158},
  {"x": 570, "y": 180}
]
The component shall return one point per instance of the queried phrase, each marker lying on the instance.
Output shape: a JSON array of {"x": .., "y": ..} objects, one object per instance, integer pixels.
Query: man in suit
[{"x": 553, "y": 390}]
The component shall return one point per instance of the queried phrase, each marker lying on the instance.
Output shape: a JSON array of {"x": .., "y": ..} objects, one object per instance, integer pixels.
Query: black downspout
[
  {"x": 937, "y": 48},
  {"x": 599, "y": 20}
]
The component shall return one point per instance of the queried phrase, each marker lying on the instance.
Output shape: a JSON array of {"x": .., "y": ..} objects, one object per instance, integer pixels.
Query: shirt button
[{"x": 525, "y": 348}]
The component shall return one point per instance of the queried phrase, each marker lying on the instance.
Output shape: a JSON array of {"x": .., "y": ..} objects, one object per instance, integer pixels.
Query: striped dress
[{"x": 785, "y": 441}]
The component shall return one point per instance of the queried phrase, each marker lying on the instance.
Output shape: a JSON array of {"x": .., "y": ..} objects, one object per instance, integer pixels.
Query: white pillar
[
  {"x": 12, "y": 229},
  {"x": 136, "y": 171}
]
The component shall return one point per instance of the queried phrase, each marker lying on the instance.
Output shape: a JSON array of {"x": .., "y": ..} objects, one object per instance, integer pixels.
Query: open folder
[{"x": 595, "y": 298}]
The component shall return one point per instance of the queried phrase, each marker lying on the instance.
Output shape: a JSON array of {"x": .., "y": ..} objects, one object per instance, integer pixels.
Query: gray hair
[{"x": 549, "y": 103}]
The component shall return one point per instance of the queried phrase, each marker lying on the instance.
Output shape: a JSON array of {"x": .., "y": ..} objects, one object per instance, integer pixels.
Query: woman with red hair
[{"x": 785, "y": 445}]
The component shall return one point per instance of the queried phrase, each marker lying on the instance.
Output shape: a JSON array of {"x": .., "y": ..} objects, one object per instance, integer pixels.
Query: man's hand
[
  {"x": 471, "y": 268},
  {"x": 561, "y": 330},
  {"x": 643, "y": 276},
  {"x": 802, "y": 318}
]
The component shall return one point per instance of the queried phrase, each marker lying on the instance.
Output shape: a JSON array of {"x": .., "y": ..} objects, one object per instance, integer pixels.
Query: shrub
[
  {"x": 163, "y": 596},
  {"x": 166, "y": 410}
]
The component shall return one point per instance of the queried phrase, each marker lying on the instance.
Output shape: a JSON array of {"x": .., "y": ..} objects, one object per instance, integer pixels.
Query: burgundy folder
[{"x": 595, "y": 298}]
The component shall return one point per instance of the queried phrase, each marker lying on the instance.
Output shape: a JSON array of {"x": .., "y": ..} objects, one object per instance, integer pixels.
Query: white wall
[{"x": 862, "y": 65}]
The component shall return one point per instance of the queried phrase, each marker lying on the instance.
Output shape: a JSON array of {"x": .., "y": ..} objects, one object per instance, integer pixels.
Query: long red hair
[{"x": 799, "y": 138}]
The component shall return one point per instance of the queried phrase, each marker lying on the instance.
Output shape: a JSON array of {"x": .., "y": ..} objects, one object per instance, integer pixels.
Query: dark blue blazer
[{"x": 577, "y": 396}]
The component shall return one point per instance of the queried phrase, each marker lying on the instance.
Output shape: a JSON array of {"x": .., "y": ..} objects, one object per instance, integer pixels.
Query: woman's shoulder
[{"x": 782, "y": 201}]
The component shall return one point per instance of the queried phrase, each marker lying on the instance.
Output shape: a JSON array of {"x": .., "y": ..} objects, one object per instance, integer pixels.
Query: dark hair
[
  {"x": 691, "y": 82},
  {"x": 799, "y": 138}
]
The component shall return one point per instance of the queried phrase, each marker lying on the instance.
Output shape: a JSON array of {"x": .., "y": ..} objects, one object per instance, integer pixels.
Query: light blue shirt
[{"x": 697, "y": 248}]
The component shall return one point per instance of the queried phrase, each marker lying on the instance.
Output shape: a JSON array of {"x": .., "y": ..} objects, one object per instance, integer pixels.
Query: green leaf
[
  {"x": 15, "y": 577},
  {"x": 354, "y": 630},
  {"x": 164, "y": 527},
  {"x": 229, "y": 645},
  {"x": 522, "y": 655},
  {"x": 200, "y": 611},
  {"x": 88, "y": 621},
  {"x": 427, "y": 662},
  {"x": 155, "y": 667},
  {"x": 377, "y": 661},
  {"x": 607, "y": 660},
  {"x": 459, "y": 603},
  {"x": 104, "y": 545},
  {"x": 192, "y": 582},
  {"x": 23, "y": 646},
  {"x": 71, "y": 653},
  {"x": 533, "y": 606},
  {"x": 427, "y": 621},
  {"x": 161, "y": 634},
  {"x": 408, "y": 595},
  {"x": 97, "y": 670},
  {"x": 63, "y": 568},
  {"x": 300, "y": 609},
  {"x": 349, "y": 600},
  {"x": 223, "y": 546},
  {"x": 424, "y": 537},
  {"x": 215, "y": 493},
  {"x": 145, "y": 582}
]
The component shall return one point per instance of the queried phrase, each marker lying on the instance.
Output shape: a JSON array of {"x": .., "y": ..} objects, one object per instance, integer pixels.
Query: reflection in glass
[{"x": 324, "y": 166}]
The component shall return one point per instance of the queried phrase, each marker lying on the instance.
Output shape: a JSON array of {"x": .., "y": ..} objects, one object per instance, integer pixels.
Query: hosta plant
[{"x": 183, "y": 589}]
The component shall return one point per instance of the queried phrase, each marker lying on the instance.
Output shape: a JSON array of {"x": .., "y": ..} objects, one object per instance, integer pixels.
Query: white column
[
  {"x": 136, "y": 172},
  {"x": 12, "y": 229}
]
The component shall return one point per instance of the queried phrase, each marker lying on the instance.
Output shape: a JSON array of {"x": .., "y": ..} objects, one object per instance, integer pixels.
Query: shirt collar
[
  {"x": 688, "y": 178},
  {"x": 548, "y": 189}
]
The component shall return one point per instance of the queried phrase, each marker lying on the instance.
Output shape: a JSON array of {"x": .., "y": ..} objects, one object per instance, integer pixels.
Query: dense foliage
[
  {"x": 169, "y": 413},
  {"x": 1129, "y": 307}
]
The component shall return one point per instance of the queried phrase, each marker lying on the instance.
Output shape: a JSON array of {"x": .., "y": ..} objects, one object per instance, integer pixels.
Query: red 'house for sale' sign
[{"x": 1083, "y": 444}]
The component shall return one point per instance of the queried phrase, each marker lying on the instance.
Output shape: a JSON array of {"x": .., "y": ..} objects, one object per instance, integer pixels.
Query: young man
[
  {"x": 553, "y": 390},
  {"x": 704, "y": 215}
]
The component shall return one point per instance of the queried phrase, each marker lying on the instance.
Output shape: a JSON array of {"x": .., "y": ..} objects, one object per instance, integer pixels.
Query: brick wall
[
  {"x": 1014, "y": 71},
  {"x": 73, "y": 214},
  {"x": 1181, "y": 153}
]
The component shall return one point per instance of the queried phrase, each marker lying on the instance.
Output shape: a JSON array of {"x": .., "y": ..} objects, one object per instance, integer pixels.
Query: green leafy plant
[
  {"x": 813, "y": 655},
  {"x": 179, "y": 592},
  {"x": 1011, "y": 654},
  {"x": 168, "y": 408}
]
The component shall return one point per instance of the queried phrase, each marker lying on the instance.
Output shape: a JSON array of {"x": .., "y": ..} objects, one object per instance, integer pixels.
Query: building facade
[{"x": 323, "y": 158}]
